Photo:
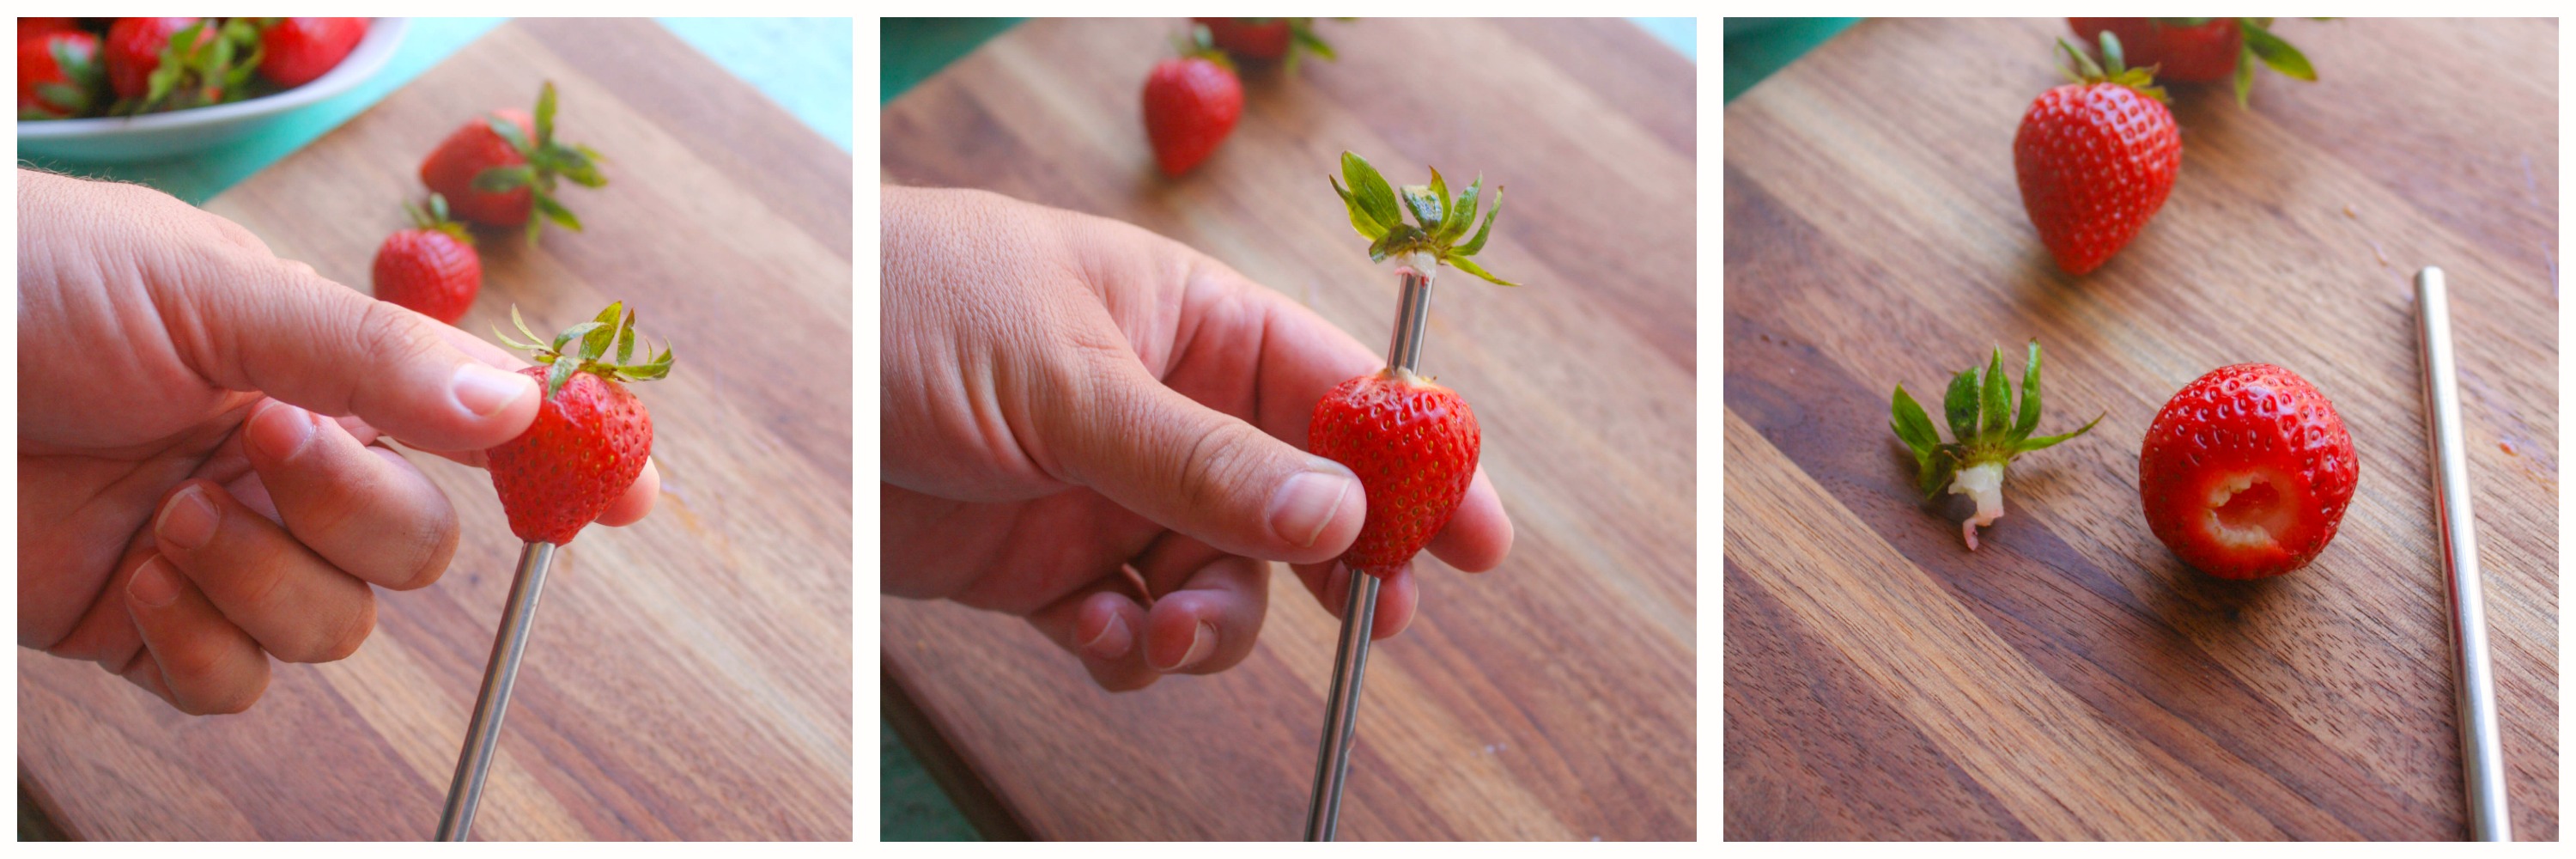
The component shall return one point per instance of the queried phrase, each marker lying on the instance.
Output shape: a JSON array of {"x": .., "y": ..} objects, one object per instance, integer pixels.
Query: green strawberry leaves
[
  {"x": 547, "y": 160},
  {"x": 1986, "y": 425},
  {"x": 2081, "y": 68},
  {"x": 195, "y": 70},
  {"x": 1438, "y": 218},
  {"x": 435, "y": 218},
  {"x": 2262, "y": 46},
  {"x": 613, "y": 328}
]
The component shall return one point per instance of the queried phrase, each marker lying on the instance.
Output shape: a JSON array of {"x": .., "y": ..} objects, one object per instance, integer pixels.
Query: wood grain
[
  {"x": 2072, "y": 679},
  {"x": 1552, "y": 699},
  {"x": 689, "y": 676}
]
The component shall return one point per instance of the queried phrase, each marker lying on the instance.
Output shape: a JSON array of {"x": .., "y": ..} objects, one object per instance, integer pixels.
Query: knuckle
[{"x": 339, "y": 641}]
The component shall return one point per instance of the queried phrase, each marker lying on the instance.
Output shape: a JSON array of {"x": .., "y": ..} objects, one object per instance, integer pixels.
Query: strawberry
[
  {"x": 432, "y": 267},
  {"x": 2095, "y": 158},
  {"x": 2246, "y": 472},
  {"x": 1987, "y": 430},
  {"x": 502, "y": 166},
  {"x": 43, "y": 26},
  {"x": 158, "y": 64},
  {"x": 301, "y": 49},
  {"x": 1191, "y": 103},
  {"x": 591, "y": 436},
  {"x": 59, "y": 75},
  {"x": 2199, "y": 50},
  {"x": 1412, "y": 443},
  {"x": 1266, "y": 39}
]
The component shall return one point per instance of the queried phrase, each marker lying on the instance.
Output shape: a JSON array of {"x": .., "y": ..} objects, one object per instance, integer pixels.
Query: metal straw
[
  {"x": 2481, "y": 758},
  {"x": 483, "y": 732},
  {"x": 1359, "y": 610}
]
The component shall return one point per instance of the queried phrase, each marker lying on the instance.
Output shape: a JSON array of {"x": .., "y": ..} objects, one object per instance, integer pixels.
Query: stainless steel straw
[
  {"x": 483, "y": 732},
  {"x": 2481, "y": 759},
  {"x": 1359, "y": 610}
]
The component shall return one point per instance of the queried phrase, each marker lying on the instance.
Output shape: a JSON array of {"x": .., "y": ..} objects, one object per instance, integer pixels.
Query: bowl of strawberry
[{"x": 132, "y": 89}]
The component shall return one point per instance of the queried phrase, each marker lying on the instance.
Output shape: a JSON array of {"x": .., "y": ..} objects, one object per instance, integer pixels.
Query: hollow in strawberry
[
  {"x": 2246, "y": 472},
  {"x": 1412, "y": 443},
  {"x": 591, "y": 435}
]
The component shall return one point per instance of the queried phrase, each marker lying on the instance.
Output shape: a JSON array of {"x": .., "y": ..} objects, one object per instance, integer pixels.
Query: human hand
[
  {"x": 1066, "y": 397},
  {"x": 202, "y": 482}
]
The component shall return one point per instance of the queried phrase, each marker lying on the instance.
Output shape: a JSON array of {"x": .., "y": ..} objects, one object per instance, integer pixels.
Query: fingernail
[
  {"x": 155, "y": 584},
  {"x": 1112, "y": 642},
  {"x": 1202, "y": 642},
  {"x": 1307, "y": 502},
  {"x": 485, "y": 390},
  {"x": 279, "y": 430},
  {"x": 187, "y": 520}
]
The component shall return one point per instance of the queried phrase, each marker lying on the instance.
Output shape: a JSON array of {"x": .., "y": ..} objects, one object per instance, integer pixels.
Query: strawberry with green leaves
[
  {"x": 2199, "y": 50},
  {"x": 1267, "y": 40},
  {"x": 591, "y": 436},
  {"x": 1412, "y": 443},
  {"x": 1191, "y": 103},
  {"x": 2095, "y": 158},
  {"x": 503, "y": 167},
  {"x": 59, "y": 75},
  {"x": 1987, "y": 430},
  {"x": 432, "y": 267},
  {"x": 158, "y": 64}
]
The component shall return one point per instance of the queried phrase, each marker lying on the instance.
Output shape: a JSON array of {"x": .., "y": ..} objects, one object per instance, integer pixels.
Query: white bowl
[{"x": 161, "y": 135}]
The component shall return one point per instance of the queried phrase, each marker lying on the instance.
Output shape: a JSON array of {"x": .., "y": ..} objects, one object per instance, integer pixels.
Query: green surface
[
  {"x": 1758, "y": 47},
  {"x": 803, "y": 64},
  {"x": 910, "y": 806},
  {"x": 913, "y": 49}
]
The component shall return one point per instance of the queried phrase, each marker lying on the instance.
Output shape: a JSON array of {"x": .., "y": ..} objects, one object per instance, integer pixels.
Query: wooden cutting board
[
  {"x": 1550, "y": 699},
  {"x": 689, "y": 676},
  {"x": 2071, "y": 679}
]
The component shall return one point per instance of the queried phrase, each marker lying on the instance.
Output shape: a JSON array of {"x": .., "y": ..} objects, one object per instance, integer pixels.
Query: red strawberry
[
  {"x": 1249, "y": 38},
  {"x": 501, "y": 167},
  {"x": 1266, "y": 39},
  {"x": 59, "y": 75},
  {"x": 2095, "y": 159},
  {"x": 1191, "y": 103},
  {"x": 2246, "y": 472},
  {"x": 41, "y": 26},
  {"x": 1412, "y": 443},
  {"x": 590, "y": 438},
  {"x": 297, "y": 50},
  {"x": 134, "y": 48},
  {"x": 432, "y": 267},
  {"x": 2198, "y": 50}
]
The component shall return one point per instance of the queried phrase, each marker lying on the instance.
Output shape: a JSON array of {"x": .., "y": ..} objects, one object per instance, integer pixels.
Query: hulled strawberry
[
  {"x": 2199, "y": 50},
  {"x": 591, "y": 436},
  {"x": 501, "y": 169},
  {"x": 301, "y": 49},
  {"x": 1191, "y": 104},
  {"x": 59, "y": 75},
  {"x": 431, "y": 267},
  {"x": 1413, "y": 444},
  {"x": 1266, "y": 39},
  {"x": 1987, "y": 431},
  {"x": 2246, "y": 472},
  {"x": 2095, "y": 158}
]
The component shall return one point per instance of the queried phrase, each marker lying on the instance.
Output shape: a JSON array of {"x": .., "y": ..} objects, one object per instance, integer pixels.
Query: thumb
[
  {"x": 268, "y": 325},
  {"x": 1207, "y": 474}
]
